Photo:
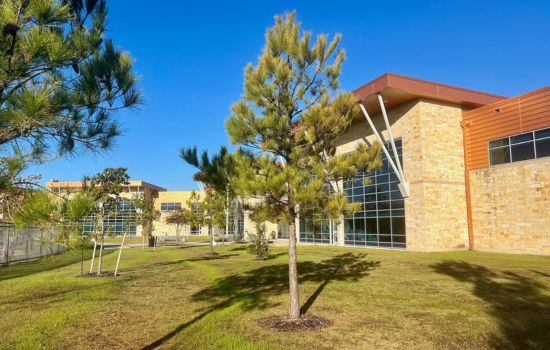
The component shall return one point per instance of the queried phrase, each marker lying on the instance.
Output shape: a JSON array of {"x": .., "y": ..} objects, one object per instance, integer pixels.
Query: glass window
[
  {"x": 398, "y": 226},
  {"x": 372, "y": 238},
  {"x": 372, "y": 226},
  {"x": 170, "y": 206},
  {"x": 523, "y": 151},
  {"x": 384, "y": 227},
  {"x": 499, "y": 143},
  {"x": 383, "y": 208},
  {"x": 370, "y": 206},
  {"x": 500, "y": 155},
  {"x": 195, "y": 230},
  {"x": 359, "y": 226},
  {"x": 522, "y": 138},
  {"x": 543, "y": 148},
  {"x": 398, "y": 239},
  {"x": 529, "y": 145},
  {"x": 541, "y": 134}
]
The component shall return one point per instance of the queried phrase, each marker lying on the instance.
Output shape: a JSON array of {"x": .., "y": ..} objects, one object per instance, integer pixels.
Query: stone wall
[{"x": 511, "y": 207}]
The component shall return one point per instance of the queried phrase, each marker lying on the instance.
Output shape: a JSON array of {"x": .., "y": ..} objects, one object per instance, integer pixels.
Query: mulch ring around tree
[{"x": 285, "y": 324}]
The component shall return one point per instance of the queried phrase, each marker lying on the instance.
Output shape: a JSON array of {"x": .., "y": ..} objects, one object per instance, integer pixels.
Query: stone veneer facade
[
  {"x": 433, "y": 163},
  {"x": 511, "y": 207}
]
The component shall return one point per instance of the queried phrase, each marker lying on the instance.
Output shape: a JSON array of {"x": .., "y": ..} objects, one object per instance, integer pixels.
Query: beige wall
[
  {"x": 433, "y": 163},
  {"x": 511, "y": 207},
  {"x": 250, "y": 226},
  {"x": 161, "y": 227}
]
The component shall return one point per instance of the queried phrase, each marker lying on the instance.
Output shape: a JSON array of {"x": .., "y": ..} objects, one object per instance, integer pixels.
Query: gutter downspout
[{"x": 471, "y": 245}]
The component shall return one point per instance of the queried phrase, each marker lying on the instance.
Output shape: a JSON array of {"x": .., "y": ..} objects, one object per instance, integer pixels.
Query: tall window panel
[
  {"x": 235, "y": 222},
  {"x": 315, "y": 229},
  {"x": 381, "y": 220},
  {"x": 197, "y": 209}
]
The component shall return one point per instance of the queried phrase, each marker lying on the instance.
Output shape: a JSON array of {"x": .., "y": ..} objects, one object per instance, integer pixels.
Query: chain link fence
[{"x": 25, "y": 244}]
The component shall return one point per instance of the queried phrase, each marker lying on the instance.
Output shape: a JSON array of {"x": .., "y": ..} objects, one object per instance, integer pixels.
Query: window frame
[
  {"x": 509, "y": 145},
  {"x": 170, "y": 206}
]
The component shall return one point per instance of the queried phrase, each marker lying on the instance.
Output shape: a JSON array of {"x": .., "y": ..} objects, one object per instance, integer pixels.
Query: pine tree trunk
[{"x": 293, "y": 271}]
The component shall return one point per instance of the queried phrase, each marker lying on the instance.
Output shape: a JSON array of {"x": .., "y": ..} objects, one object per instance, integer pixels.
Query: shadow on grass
[
  {"x": 275, "y": 256},
  {"x": 518, "y": 304},
  {"x": 183, "y": 326},
  {"x": 540, "y": 273},
  {"x": 253, "y": 289},
  {"x": 211, "y": 257}
]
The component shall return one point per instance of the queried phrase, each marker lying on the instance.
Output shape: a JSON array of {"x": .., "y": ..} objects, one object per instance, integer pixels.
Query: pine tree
[
  {"x": 291, "y": 114},
  {"x": 62, "y": 81},
  {"x": 215, "y": 172}
]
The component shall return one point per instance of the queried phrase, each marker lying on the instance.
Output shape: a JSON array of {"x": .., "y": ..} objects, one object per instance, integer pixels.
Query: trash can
[{"x": 151, "y": 242}]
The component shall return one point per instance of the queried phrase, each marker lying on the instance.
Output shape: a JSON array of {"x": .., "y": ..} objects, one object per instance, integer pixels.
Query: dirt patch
[
  {"x": 285, "y": 324},
  {"x": 103, "y": 274}
]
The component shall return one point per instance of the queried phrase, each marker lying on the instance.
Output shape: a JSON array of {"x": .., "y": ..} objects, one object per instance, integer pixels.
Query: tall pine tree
[
  {"x": 291, "y": 115},
  {"x": 62, "y": 82}
]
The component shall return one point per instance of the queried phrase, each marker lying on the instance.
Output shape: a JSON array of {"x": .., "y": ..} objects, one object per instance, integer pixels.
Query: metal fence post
[
  {"x": 4, "y": 248},
  {"x": 8, "y": 249},
  {"x": 27, "y": 244}
]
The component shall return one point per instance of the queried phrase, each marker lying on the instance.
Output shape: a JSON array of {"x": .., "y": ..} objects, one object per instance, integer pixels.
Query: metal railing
[{"x": 25, "y": 244}]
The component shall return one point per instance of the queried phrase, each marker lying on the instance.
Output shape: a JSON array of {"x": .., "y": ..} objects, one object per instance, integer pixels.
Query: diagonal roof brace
[
  {"x": 403, "y": 185},
  {"x": 200, "y": 185}
]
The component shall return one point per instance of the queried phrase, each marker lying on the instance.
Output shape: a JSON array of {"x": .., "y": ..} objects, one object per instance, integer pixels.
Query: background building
[{"x": 123, "y": 218}]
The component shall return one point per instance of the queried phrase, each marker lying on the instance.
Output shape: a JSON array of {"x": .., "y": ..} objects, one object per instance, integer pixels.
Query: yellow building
[
  {"x": 166, "y": 202},
  {"x": 169, "y": 201}
]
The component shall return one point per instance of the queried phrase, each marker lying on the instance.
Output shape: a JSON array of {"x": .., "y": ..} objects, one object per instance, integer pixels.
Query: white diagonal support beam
[
  {"x": 201, "y": 187},
  {"x": 394, "y": 149},
  {"x": 403, "y": 188}
]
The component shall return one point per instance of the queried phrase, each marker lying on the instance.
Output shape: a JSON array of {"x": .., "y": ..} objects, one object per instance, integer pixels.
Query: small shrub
[{"x": 260, "y": 243}]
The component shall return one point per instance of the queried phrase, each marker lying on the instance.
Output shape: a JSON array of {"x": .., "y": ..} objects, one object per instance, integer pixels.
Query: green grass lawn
[
  {"x": 138, "y": 240},
  {"x": 128, "y": 240},
  {"x": 198, "y": 239},
  {"x": 178, "y": 298}
]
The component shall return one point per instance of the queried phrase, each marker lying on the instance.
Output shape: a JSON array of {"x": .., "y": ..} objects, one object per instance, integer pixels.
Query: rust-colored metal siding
[{"x": 519, "y": 114}]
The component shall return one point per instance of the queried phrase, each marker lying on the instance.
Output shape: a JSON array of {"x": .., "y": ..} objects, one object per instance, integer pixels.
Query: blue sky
[{"x": 191, "y": 55}]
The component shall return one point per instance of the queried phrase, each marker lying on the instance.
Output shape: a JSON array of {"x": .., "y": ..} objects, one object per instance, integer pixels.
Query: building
[
  {"x": 472, "y": 172},
  {"x": 477, "y": 167},
  {"x": 123, "y": 218}
]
